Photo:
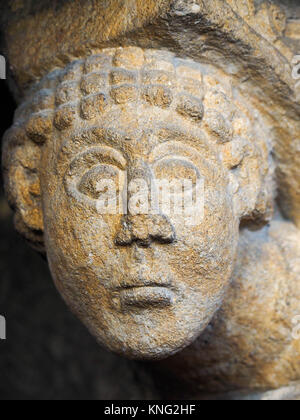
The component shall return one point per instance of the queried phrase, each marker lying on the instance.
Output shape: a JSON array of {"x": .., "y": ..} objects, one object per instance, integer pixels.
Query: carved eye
[
  {"x": 179, "y": 170},
  {"x": 101, "y": 180}
]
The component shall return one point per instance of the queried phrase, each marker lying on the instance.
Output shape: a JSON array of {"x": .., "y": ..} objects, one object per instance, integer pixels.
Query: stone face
[
  {"x": 49, "y": 355},
  {"x": 255, "y": 323},
  {"x": 98, "y": 147}
]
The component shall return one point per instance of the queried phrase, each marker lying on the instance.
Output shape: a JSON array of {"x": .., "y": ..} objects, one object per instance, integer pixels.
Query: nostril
[
  {"x": 162, "y": 230},
  {"x": 165, "y": 239},
  {"x": 124, "y": 236},
  {"x": 144, "y": 243},
  {"x": 144, "y": 230}
]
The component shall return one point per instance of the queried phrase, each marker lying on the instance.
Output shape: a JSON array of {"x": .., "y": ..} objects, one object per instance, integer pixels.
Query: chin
[
  {"x": 139, "y": 340},
  {"x": 144, "y": 350}
]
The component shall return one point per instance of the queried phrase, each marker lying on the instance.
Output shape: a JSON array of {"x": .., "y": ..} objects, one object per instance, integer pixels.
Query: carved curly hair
[{"x": 86, "y": 88}]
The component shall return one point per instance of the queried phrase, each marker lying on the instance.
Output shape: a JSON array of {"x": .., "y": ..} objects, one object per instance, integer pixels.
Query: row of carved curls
[{"x": 86, "y": 88}]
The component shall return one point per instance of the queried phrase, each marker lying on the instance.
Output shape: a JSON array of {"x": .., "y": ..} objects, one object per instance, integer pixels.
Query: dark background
[{"x": 48, "y": 354}]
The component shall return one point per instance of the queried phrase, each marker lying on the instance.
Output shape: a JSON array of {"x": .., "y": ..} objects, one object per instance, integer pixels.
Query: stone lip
[
  {"x": 143, "y": 283},
  {"x": 146, "y": 297}
]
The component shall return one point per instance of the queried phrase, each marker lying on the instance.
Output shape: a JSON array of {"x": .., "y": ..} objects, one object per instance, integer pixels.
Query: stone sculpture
[{"x": 213, "y": 293}]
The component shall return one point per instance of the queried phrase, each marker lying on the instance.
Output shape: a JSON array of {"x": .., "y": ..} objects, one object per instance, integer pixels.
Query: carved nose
[{"x": 144, "y": 229}]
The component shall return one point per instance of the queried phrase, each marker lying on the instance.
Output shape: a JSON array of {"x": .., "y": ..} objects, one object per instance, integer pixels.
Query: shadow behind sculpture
[
  {"x": 128, "y": 110},
  {"x": 48, "y": 354},
  {"x": 135, "y": 106}
]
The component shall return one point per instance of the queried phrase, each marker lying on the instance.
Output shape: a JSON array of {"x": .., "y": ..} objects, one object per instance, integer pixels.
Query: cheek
[
  {"x": 77, "y": 237},
  {"x": 213, "y": 227},
  {"x": 204, "y": 255},
  {"x": 82, "y": 258}
]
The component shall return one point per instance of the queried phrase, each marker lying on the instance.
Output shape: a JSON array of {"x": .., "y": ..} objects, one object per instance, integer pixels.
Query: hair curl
[{"x": 86, "y": 88}]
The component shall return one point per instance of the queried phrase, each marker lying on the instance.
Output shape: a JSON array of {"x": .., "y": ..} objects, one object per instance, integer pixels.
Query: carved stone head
[{"x": 144, "y": 280}]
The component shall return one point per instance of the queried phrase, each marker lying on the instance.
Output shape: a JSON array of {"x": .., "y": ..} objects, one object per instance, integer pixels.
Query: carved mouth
[
  {"x": 140, "y": 281},
  {"x": 143, "y": 291},
  {"x": 145, "y": 296}
]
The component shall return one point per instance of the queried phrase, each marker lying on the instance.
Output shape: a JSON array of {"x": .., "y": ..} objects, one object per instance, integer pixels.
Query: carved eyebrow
[
  {"x": 96, "y": 155},
  {"x": 93, "y": 136},
  {"x": 174, "y": 148},
  {"x": 169, "y": 133}
]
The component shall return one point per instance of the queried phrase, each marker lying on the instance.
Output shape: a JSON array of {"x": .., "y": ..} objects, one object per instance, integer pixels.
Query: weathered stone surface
[
  {"x": 48, "y": 354},
  {"x": 172, "y": 90},
  {"x": 249, "y": 344}
]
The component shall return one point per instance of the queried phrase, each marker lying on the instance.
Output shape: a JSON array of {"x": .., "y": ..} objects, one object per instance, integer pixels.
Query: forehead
[{"x": 137, "y": 130}]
